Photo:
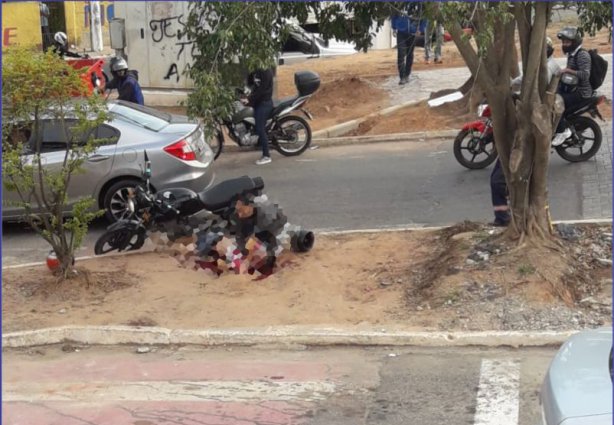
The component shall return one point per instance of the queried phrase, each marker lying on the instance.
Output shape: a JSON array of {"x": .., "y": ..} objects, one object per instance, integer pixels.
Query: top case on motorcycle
[
  {"x": 221, "y": 195},
  {"x": 307, "y": 82}
]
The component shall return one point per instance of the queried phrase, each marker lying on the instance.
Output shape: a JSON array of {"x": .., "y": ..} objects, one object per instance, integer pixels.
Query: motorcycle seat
[
  {"x": 583, "y": 105},
  {"x": 281, "y": 104},
  {"x": 223, "y": 194}
]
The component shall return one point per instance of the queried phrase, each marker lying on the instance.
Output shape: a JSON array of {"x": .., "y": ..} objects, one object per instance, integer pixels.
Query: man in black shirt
[{"x": 261, "y": 99}]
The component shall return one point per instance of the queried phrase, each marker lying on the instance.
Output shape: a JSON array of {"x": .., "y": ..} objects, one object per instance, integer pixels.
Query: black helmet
[{"x": 572, "y": 34}]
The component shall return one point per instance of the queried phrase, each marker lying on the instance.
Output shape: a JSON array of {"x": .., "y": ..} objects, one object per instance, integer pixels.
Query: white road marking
[
  {"x": 225, "y": 391},
  {"x": 498, "y": 400}
]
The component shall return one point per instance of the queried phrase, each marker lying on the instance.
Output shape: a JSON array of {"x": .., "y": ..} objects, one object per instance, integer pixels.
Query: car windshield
[{"x": 140, "y": 115}]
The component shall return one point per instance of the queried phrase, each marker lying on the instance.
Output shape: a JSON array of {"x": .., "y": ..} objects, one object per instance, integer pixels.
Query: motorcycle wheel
[
  {"x": 473, "y": 152},
  {"x": 110, "y": 241},
  {"x": 291, "y": 136},
  {"x": 578, "y": 141},
  {"x": 216, "y": 143}
]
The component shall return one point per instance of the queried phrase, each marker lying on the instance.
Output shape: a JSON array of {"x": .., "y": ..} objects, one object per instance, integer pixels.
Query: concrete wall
[
  {"x": 78, "y": 22},
  {"x": 21, "y": 25},
  {"x": 155, "y": 46}
]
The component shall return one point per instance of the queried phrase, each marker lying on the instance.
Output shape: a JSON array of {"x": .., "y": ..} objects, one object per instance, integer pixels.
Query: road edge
[
  {"x": 282, "y": 335},
  {"x": 323, "y": 232}
]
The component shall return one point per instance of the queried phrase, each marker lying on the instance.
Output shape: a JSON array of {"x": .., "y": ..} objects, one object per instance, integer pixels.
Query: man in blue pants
[
  {"x": 406, "y": 27},
  {"x": 261, "y": 99}
]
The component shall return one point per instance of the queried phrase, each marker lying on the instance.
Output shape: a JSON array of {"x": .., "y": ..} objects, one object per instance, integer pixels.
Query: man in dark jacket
[
  {"x": 579, "y": 66},
  {"x": 406, "y": 27},
  {"x": 125, "y": 81},
  {"x": 261, "y": 99}
]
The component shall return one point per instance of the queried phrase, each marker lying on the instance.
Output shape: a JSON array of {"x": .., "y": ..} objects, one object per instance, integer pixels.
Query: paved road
[
  {"x": 379, "y": 185},
  {"x": 251, "y": 386}
]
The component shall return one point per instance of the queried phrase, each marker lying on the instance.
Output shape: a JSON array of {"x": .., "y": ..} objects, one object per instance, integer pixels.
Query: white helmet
[
  {"x": 118, "y": 64},
  {"x": 60, "y": 38}
]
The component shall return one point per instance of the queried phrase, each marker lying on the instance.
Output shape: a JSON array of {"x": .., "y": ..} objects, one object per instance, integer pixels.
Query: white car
[{"x": 302, "y": 45}]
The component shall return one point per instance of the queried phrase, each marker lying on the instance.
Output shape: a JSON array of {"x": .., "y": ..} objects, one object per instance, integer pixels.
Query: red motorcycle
[{"x": 474, "y": 146}]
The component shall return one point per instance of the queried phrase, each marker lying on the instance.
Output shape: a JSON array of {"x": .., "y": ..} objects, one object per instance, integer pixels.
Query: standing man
[
  {"x": 437, "y": 28},
  {"x": 44, "y": 12},
  {"x": 406, "y": 27},
  {"x": 261, "y": 99}
]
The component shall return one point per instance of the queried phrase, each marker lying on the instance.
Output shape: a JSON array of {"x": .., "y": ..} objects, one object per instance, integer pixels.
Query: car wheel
[{"x": 115, "y": 201}]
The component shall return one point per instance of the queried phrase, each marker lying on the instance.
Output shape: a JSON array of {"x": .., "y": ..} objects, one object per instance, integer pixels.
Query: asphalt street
[
  {"x": 250, "y": 386},
  {"x": 359, "y": 187}
]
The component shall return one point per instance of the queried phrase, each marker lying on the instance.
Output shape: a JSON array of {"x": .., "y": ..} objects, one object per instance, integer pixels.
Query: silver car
[
  {"x": 176, "y": 147},
  {"x": 577, "y": 389}
]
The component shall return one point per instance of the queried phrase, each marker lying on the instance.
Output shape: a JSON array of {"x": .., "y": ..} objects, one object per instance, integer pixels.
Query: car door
[
  {"x": 97, "y": 166},
  {"x": 53, "y": 151}
]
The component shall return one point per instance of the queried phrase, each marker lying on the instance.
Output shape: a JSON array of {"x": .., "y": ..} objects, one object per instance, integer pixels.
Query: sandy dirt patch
[{"x": 455, "y": 279}]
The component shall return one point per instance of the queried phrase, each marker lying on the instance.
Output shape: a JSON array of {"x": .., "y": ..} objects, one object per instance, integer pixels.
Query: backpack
[{"x": 599, "y": 67}]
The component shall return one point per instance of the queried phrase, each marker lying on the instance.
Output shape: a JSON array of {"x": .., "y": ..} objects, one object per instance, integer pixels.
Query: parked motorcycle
[
  {"x": 180, "y": 212},
  {"x": 288, "y": 133},
  {"x": 474, "y": 146}
]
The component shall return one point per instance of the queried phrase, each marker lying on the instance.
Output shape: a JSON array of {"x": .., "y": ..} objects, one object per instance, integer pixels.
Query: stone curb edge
[
  {"x": 285, "y": 335},
  {"x": 420, "y": 136},
  {"x": 326, "y": 232}
]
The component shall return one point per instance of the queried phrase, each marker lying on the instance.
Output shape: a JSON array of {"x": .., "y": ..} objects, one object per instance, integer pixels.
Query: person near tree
[
  {"x": 261, "y": 99},
  {"x": 406, "y": 27},
  {"x": 125, "y": 81}
]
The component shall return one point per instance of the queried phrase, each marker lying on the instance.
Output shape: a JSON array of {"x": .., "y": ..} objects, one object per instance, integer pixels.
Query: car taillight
[{"x": 181, "y": 150}]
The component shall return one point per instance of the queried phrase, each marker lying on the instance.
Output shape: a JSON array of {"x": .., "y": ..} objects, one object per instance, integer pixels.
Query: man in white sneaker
[{"x": 576, "y": 85}]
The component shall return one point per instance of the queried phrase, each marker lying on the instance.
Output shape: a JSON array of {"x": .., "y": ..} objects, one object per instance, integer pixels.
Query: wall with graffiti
[{"x": 156, "y": 45}]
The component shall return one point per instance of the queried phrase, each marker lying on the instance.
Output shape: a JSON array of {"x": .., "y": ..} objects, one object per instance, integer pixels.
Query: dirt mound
[
  {"x": 342, "y": 100},
  {"x": 419, "y": 117}
]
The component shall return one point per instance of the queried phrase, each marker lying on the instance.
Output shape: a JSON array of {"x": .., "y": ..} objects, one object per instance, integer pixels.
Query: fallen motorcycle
[
  {"x": 181, "y": 212},
  {"x": 288, "y": 133},
  {"x": 474, "y": 146}
]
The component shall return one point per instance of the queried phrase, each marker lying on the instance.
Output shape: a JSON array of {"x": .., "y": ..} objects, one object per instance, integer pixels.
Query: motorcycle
[
  {"x": 289, "y": 134},
  {"x": 474, "y": 146},
  {"x": 179, "y": 212}
]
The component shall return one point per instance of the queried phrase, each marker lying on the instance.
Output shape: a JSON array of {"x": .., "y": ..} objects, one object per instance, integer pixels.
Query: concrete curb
[
  {"x": 330, "y": 136},
  {"x": 324, "y": 232},
  {"x": 419, "y": 136},
  {"x": 286, "y": 335}
]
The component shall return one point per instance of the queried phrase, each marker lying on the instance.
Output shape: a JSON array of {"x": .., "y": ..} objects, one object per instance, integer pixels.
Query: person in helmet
[
  {"x": 60, "y": 46},
  {"x": 575, "y": 86},
  {"x": 553, "y": 67},
  {"x": 125, "y": 81}
]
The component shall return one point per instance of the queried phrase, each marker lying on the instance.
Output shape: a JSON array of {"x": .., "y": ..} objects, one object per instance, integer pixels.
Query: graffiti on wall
[{"x": 172, "y": 30}]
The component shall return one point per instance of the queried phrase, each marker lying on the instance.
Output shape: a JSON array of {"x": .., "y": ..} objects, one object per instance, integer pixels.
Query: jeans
[
  {"x": 498, "y": 192},
  {"x": 570, "y": 99},
  {"x": 262, "y": 112},
  {"x": 405, "y": 53}
]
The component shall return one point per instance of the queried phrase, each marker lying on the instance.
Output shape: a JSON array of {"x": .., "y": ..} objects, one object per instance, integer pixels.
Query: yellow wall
[
  {"x": 76, "y": 27},
  {"x": 21, "y": 24}
]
